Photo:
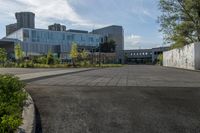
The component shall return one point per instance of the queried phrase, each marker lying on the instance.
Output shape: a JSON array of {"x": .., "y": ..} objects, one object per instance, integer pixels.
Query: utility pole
[
  {"x": 99, "y": 55},
  {"x": 92, "y": 56}
]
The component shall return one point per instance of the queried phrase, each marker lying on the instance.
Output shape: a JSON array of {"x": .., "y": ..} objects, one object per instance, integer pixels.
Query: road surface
[{"x": 130, "y": 99}]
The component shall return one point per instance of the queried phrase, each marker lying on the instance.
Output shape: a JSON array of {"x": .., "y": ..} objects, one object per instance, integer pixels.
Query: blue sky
[{"x": 138, "y": 17}]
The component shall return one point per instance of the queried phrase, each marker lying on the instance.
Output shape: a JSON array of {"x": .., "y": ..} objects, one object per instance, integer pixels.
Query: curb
[
  {"x": 28, "y": 115},
  {"x": 191, "y": 70}
]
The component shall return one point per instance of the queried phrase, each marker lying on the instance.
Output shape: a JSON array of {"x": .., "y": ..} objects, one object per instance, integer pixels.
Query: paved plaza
[
  {"x": 16, "y": 71},
  {"x": 36, "y": 74},
  {"x": 129, "y": 99},
  {"x": 138, "y": 75}
]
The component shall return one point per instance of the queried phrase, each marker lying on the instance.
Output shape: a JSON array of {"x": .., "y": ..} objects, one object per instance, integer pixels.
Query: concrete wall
[
  {"x": 187, "y": 57},
  {"x": 197, "y": 56}
]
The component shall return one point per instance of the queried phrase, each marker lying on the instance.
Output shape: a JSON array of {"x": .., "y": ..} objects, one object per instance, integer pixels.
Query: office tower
[
  {"x": 11, "y": 28},
  {"x": 25, "y": 20}
]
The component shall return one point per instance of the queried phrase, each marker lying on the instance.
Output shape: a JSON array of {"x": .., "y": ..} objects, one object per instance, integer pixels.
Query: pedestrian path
[{"x": 35, "y": 75}]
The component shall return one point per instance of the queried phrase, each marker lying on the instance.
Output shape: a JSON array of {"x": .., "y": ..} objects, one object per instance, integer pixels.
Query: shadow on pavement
[{"x": 38, "y": 121}]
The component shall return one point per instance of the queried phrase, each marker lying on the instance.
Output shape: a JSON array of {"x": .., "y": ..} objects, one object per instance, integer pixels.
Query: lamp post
[{"x": 99, "y": 55}]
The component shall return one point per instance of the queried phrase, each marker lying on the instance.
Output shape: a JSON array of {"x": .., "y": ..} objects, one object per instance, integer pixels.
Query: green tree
[
  {"x": 50, "y": 58},
  {"x": 126, "y": 57},
  {"x": 160, "y": 59},
  {"x": 3, "y": 55},
  {"x": 180, "y": 21},
  {"x": 40, "y": 59},
  {"x": 84, "y": 55},
  {"x": 74, "y": 53},
  {"x": 108, "y": 47},
  {"x": 18, "y": 52}
]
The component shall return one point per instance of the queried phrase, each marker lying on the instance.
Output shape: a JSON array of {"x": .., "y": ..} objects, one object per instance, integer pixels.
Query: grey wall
[
  {"x": 187, "y": 57},
  {"x": 197, "y": 56}
]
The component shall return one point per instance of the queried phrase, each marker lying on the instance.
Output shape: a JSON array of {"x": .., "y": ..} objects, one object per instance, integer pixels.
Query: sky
[{"x": 138, "y": 17}]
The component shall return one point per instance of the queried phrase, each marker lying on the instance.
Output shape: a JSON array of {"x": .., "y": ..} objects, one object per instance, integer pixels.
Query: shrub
[
  {"x": 160, "y": 59},
  {"x": 9, "y": 64},
  {"x": 40, "y": 59},
  {"x": 11, "y": 103},
  {"x": 110, "y": 65},
  {"x": 83, "y": 64}
]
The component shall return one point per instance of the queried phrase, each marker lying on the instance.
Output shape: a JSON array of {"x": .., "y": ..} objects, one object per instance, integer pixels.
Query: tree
[
  {"x": 18, "y": 52},
  {"x": 40, "y": 59},
  {"x": 108, "y": 47},
  {"x": 84, "y": 55},
  {"x": 3, "y": 55},
  {"x": 160, "y": 59},
  {"x": 50, "y": 58},
  {"x": 126, "y": 57},
  {"x": 74, "y": 53},
  {"x": 180, "y": 21}
]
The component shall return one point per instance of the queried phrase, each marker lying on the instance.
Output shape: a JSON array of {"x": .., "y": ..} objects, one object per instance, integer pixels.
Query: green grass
[
  {"x": 12, "y": 97},
  {"x": 80, "y": 64}
]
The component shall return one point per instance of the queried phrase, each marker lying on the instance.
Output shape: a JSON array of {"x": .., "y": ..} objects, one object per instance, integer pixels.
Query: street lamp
[{"x": 99, "y": 55}]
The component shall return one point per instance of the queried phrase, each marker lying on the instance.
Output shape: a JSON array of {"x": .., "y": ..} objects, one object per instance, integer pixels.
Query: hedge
[{"x": 12, "y": 97}]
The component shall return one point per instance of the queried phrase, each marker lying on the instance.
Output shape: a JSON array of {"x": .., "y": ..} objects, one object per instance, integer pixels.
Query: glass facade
[
  {"x": 58, "y": 38},
  {"x": 39, "y": 41}
]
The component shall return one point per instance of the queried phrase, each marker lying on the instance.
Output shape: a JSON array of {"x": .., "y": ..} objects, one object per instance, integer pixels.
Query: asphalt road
[{"x": 131, "y": 99}]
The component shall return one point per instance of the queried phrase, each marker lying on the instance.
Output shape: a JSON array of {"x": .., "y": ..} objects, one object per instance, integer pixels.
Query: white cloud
[
  {"x": 47, "y": 11},
  {"x": 139, "y": 42},
  {"x": 144, "y": 12},
  {"x": 149, "y": 14},
  {"x": 132, "y": 41}
]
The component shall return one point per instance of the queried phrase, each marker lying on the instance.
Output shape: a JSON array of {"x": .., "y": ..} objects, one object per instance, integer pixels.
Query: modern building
[
  {"x": 40, "y": 41},
  {"x": 57, "y": 27},
  {"x": 58, "y": 40},
  {"x": 8, "y": 45},
  {"x": 115, "y": 33},
  {"x": 25, "y": 20},
  {"x": 143, "y": 56}
]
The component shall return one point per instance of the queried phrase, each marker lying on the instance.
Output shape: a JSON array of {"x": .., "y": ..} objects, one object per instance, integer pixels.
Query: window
[
  {"x": 72, "y": 37},
  {"x": 63, "y": 36},
  {"x": 34, "y": 36},
  {"x": 26, "y": 35}
]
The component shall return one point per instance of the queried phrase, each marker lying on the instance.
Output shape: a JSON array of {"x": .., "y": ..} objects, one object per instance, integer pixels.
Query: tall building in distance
[
  {"x": 25, "y": 20},
  {"x": 11, "y": 28},
  {"x": 57, "y": 27}
]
